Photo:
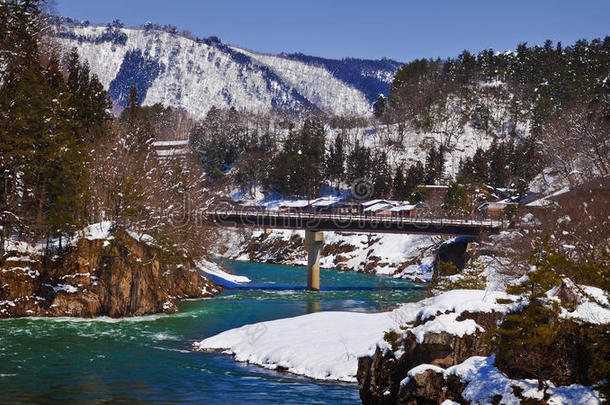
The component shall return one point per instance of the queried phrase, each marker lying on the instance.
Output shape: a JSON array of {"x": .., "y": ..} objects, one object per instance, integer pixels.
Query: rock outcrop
[
  {"x": 116, "y": 277},
  {"x": 380, "y": 376}
]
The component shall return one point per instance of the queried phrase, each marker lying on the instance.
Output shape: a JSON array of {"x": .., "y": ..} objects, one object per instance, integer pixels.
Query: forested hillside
[
  {"x": 65, "y": 160},
  {"x": 478, "y": 119}
]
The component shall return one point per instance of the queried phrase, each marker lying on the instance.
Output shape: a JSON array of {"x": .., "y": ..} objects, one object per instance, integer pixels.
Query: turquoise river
[{"x": 149, "y": 359}]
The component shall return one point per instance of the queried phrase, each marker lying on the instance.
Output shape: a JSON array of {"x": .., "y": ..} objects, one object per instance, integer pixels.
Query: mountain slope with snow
[{"x": 178, "y": 70}]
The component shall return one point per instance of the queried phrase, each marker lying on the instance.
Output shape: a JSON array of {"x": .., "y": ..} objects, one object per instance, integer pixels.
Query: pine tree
[
  {"x": 456, "y": 201},
  {"x": 415, "y": 177},
  {"x": 382, "y": 178},
  {"x": 435, "y": 163},
  {"x": 499, "y": 166},
  {"x": 379, "y": 106},
  {"x": 399, "y": 190},
  {"x": 335, "y": 160}
]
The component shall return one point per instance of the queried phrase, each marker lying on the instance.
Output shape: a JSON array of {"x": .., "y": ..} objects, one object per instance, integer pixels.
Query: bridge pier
[{"x": 313, "y": 242}]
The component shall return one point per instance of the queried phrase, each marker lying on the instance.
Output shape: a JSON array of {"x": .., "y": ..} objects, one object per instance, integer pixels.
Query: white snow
[
  {"x": 323, "y": 345},
  {"x": 377, "y": 207},
  {"x": 418, "y": 370},
  {"x": 326, "y": 345},
  {"x": 196, "y": 75},
  {"x": 66, "y": 288},
  {"x": 446, "y": 322},
  {"x": 392, "y": 251},
  {"x": 100, "y": 230},
  {"x": 486, "y": 381},
  {"x": 220, "y": 276},
  {"x": 592, "y": 306},
  {"x": 182, "y": 142},
  {"x": 546, "y": 201}
]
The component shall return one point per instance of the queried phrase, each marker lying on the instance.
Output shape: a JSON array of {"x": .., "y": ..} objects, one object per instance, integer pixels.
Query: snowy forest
[{"x": 66, "y": 161}]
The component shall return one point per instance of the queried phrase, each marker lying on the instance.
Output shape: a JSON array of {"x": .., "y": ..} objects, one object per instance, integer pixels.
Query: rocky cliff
[
  {"x": 381, "y": 378},
  {"x": 115, "y": 277}
]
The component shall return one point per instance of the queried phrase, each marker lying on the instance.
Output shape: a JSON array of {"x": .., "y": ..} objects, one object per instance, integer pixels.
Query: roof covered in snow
[{"x": 377, "y": 207}]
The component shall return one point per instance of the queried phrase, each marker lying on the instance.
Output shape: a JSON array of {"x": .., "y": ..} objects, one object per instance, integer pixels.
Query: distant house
[
  {"x": 294, "y": 206},
  {"x": 369, "y": 203},
  {"x": 323, "y": 205},
  {"x": 406, "y": 210},
  {"x": 171, "y": 149},
  {"x": 344, "y": 207},
  {"x": 380, "y": 208},
  {"x": 495, "y": 209}
]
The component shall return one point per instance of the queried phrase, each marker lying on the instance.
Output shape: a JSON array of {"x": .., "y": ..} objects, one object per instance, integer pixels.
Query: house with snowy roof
[
  {"x": 405, "y": 210},
  {"x": 167, "y": 150}
]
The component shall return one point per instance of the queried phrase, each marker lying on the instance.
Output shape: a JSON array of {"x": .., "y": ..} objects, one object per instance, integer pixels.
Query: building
[
  {"x": 406, "y": 210},
  {"x": 294, "y": 206},
  {"x": 345, "y": 207},
  {"x": 495, "y": 209},
  {"x": 171, "y": 149},
  {"x": 323, "y": 205},
  {"x": 379, "y": 208}
]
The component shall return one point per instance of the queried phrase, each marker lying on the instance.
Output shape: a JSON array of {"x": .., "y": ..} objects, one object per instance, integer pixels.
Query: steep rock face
[
  {"x": 379, "y": 377},
  {"x": 116, "y": 278}
]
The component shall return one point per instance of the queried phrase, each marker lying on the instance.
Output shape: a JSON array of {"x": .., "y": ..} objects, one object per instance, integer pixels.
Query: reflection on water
[{"x": 149, "y": 359}]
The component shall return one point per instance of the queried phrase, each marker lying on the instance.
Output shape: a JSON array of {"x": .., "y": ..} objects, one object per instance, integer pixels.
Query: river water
[{"x": 149, "y": 359}]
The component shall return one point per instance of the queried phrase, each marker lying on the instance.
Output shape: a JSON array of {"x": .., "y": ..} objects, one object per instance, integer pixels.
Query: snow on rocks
[
  {"x": 485, "y": 382},
  {"x": 400, "y": 256},
  {"x": 327, "y": 345},
  {"x": 592, "y": 304},
  {"x": 420, "y": 369},
  {"x": 70, "y": 289},
  {"x": 100, "y": 230},
  {"x": 219, "y": 276},
  {"x": 445, "y": 323}
]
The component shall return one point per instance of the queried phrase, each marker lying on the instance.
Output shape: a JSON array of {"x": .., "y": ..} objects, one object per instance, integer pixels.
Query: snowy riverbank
[
  {"x": 401, "y": 256},
  {"x": 326, "y": 345}
]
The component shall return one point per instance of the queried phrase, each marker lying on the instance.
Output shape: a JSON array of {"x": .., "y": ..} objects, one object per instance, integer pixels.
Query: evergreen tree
[
  {"x": 379, "y": 106},
  {"x": 335, "y": 161},
  {"x": 456, "y": 201},
  {"x": 359, "y": 163},
  {"x": 399, "y": 190},
  {"x": 435, "y": 163},
  {"x": 382, "y": 178},
  {"x": 415, "y": 177},
  {"x": 499, "y": 165}
]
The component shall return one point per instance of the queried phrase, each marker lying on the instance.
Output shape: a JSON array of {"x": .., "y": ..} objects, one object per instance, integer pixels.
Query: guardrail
[{"x": 346, "y": 218}]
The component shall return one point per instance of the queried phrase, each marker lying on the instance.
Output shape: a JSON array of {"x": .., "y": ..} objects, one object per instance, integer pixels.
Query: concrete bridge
[{"x": 315, "y": 223}]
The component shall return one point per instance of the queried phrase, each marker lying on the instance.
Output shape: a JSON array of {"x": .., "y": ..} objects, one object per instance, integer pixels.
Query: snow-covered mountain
[{"x": 179, "y": 70}]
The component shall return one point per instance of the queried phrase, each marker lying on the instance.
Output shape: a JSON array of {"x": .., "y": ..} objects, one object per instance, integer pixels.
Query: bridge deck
[{"x": 352, "y": 223}]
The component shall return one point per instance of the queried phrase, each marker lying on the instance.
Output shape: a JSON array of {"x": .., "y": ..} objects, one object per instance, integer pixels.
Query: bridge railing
[{"x": 252, "y": 217}]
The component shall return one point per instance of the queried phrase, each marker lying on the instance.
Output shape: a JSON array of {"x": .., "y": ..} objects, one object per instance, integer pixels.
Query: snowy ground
[{"x": 326, "y": 345}]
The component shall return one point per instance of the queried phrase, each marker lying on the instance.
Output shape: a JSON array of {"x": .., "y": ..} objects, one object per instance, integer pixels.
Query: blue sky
[{"x": 402, "y": 30}]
